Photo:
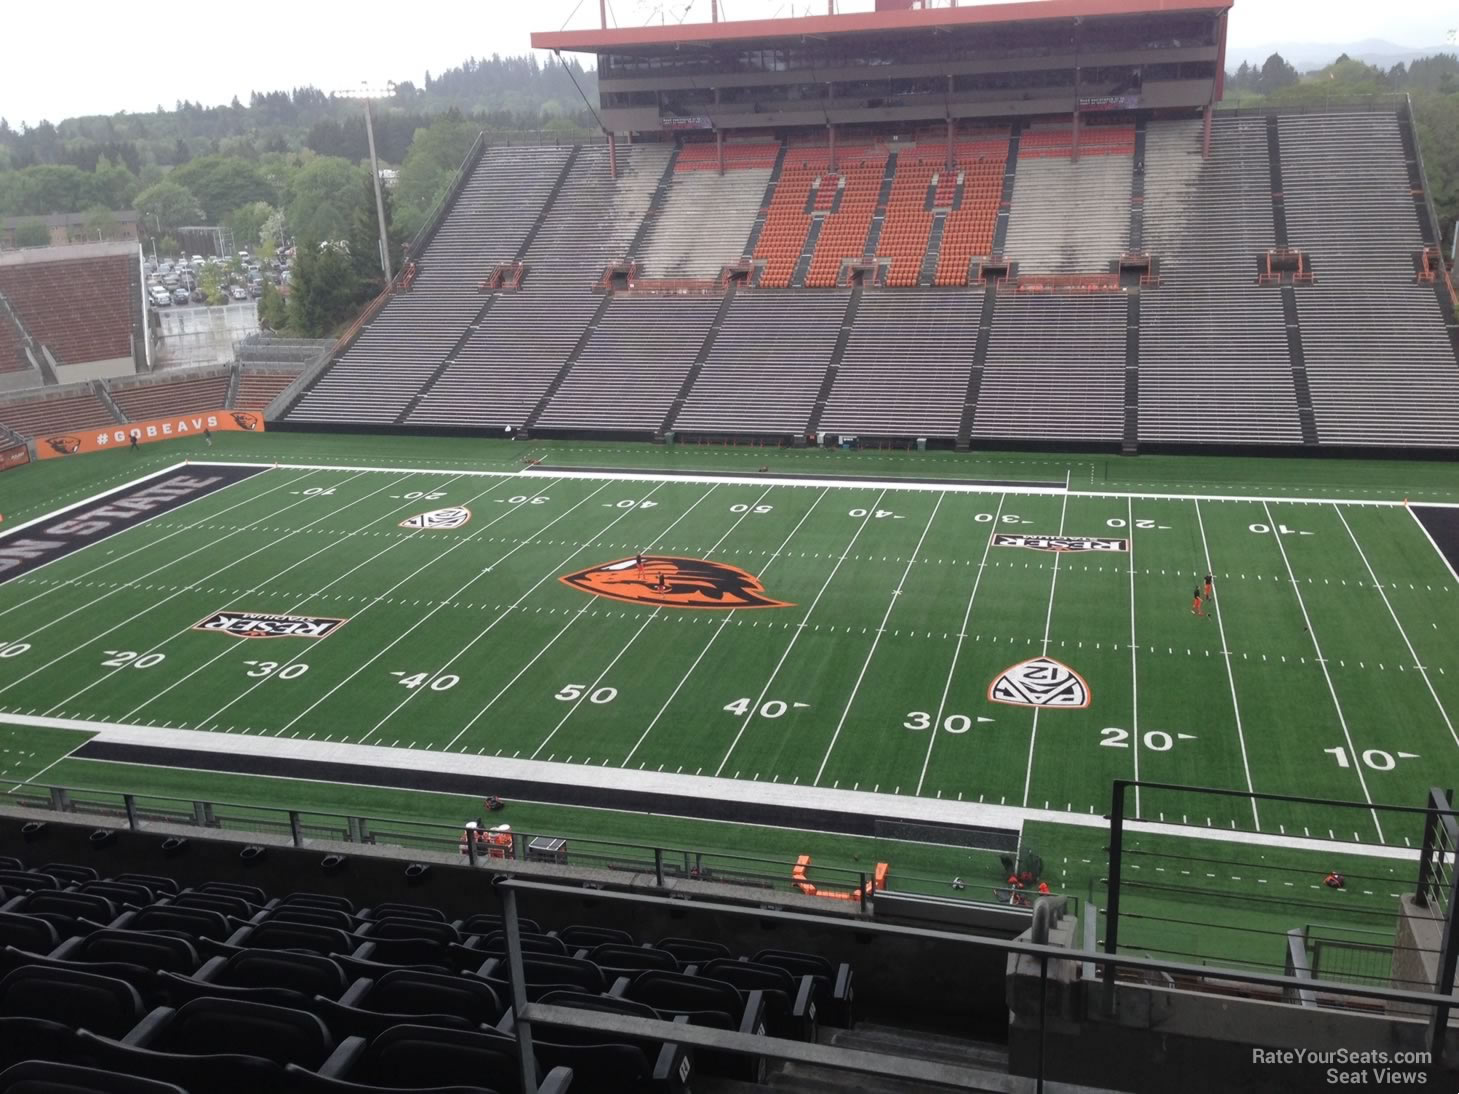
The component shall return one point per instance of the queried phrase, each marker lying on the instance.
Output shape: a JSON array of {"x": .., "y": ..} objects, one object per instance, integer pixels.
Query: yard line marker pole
[
  {"x": 876, "y": 638},
  {"x": 425, "y": 618},
  {"x": 572, "y": 619},
  {"x": 91, "y": 638},
  {"x": 1134, "y": 662},
  {"x": 259, "y": 585},
  {"x": 1230, "y": 673},
  {"x": 720, "y": 629},
  {"x": 1444, "y": 714},
  {"x": 800, "y": 627},
  {"x": 962, "y": 635},
  {"x": 317, "y": 592},
  {"x": 1048, "y": 622},
  {"x": 146, "y": 547},
  {"x": 1321, "y": 660}
]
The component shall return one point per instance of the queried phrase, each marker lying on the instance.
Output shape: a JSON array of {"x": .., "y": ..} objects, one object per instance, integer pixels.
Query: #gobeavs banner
[
  {"x": 14, "y": 456},
  {"x": 54, "y": 445}
]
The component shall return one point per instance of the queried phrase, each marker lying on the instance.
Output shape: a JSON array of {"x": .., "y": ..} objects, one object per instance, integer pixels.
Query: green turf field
[{"x": 1326, "y": 664}]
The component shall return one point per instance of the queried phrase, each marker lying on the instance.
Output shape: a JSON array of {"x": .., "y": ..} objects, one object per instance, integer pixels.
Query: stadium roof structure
[{"x": 877, "y": 22}]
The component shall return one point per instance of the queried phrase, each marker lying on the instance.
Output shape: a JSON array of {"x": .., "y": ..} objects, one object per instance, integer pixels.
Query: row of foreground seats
[{"x": 120, "y": 984}]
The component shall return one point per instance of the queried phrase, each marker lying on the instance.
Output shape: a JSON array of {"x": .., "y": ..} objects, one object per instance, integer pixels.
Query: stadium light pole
[{"x": 366, "y": 94}]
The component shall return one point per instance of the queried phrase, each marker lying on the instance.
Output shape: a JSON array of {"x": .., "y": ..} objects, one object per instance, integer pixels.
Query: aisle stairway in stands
[{"x": 706, "y": 219}]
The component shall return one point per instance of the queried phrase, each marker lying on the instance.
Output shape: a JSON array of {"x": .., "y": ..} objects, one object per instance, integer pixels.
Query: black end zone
[
  {"x": 630, "y": 801},
  {"x": 1443, "y": 526}
]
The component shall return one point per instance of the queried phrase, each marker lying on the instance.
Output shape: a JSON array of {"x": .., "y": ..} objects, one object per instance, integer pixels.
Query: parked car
[
  {"x": 180, "y": 296},
  {"x": 238, "y": 293},
  {"x": 160, "y": 297}
]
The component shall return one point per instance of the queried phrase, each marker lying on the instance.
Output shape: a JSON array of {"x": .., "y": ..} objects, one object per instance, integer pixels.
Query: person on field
[
  {"x": 134, "y": 442},
  {"x": 1208, "y": 586},
  {"x": 208, "y": 436},
  {"x": 1196, "y": 608}
]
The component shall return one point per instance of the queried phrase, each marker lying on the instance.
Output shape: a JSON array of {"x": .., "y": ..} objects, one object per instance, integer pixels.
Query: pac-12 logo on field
[
  {"x": 264, "y": 625},
  {"x": 1042, "y": 682},
  {"x": 438, "y": 520},
  {"x": 671, "y": 582},
  {"x": 1060, "y": 543}
]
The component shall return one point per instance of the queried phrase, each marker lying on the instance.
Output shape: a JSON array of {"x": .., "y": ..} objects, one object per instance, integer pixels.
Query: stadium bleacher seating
[
  {"x": 171, "y": 395},
  {"x": 11, "y": 358},
  {"x": 766, "y": 367},
  {"x": 906, "y": 365},
  {"x": 1380, "y": 365},
  {"x": 80, "y": 308},
  {"x": 224, "y": 988},
  {"x": 259, "y": 387},
  {"x": 1071, "y": 216},
  {"x": 510, "y": 360},
  {"x": 843, "y": 236},
  {"x": 1210, "y": 337},
  {"x": 32, "y": 416},
  {"x": 705, "y": 221},
  {"x": 981, "y": 160}
]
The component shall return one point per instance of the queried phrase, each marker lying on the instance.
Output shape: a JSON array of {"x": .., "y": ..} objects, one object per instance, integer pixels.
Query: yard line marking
[
  {"x": 317, "y": 593},
  {"x": 171, "y": 562},
  {"x": 749, "y": 717},
  {"x": 722, "y": 624},
  {"x": 146, "y": 547},
  {"x": 958, "y": 649},
  {"x": 1352, "y": 748},
  {"x": 561, "y": 631},
  {"x": 42, "y": 771},
  {"x": 1134, "y": 662},
  {"x": 155, "y": 604},
  {"x": 425, "y": 618},
  {"x": 891, "y": 603},
  {"x": 1418, "y": 664},
  {"x": 1230, "y": 673},
  {"x": 1048, "y": 622},
  {"x": 272, "y": 577}
]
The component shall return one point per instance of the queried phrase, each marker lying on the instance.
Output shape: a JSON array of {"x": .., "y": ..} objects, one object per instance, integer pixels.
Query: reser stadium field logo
[
  {"x": 669, "y": 582},
  {"x": 262, "y": 625},
  {"x": 438, "y": 520},
  {"x": 1042, "y": 682},
  {"x": 1060, "y": 543}
]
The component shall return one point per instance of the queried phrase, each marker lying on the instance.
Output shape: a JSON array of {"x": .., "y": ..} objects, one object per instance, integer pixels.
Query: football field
[{"x": 1008, "y": 645}]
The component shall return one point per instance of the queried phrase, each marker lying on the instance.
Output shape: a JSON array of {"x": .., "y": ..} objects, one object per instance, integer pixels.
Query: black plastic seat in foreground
[
  {"x": 422, "y": 1057},
  {"x": 196, "y": 923},
  {"x": 580, "y": 936},
  {"x": 27, "y": 932},
  {"x": 120, "y": 892},
  {"x": 279, "y": 977},
  {"x": 483, "y": 923},
  {"x": 71, "y": 997},
  {"x": 43, "y": 1077},
  {"x": 27, "y": 880},
  {"x": 274, "y": 934},
  {"x": 67, "y": 912},
  {"x": 619, "y": 960},
  {"x": 706, "y": 1002},
  {"x": 670, "y": 1066},
  {"x": 317, "y": 900},
  {"x": 153, "y": 950},
  {"x": 407, "y": 997},
  {"x": 68, "y": 873},
  {"x": 833, "y": 982},
  {"x": 693, "y": 951},
  {"x": 569, "y": 973},
  {"x": 156, "y": 882},
  {"x": 316, "y": 914},
  {"x": 251, "y": 893},
  {"x": 790, "y": 1001},
  {"x": 495, "y": 943},
  {"x": 390, "y": 909}
]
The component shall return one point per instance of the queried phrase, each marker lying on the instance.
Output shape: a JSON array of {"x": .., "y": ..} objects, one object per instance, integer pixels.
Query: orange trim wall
[
  {"x": 14, "y": 456},
  {"x": 55, "y": 445}
]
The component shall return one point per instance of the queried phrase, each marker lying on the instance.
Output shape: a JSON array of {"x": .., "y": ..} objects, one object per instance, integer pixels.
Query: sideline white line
[
  {"x": 1429, "y": 536},
  {"x": 1357, "y": 760},
  {"x": 91, "y": 638},
  {"x": 723, "y": 622},
  {"x": 1134, "y": 659},
  {"x": 832, "y": 482},
  {"x": 146, "y": 546},
  {"x": 1048, "y": 623},
  {"x": 876, "y": 640},
  {"x": 962, "y": 635},
  {"x": 799, "y": 629},
  {"x": 1417, "y": 663},
  {"x": 253, "y": 589},
  {"x": 617, "y": 779},
  {"x": 1230, "y": 673},
  {"x": 588, "y": 603},
  {"x": 54, "y": 513},
  {"x": 238, "y": 646},
  {"x": 441, "y": 604}
]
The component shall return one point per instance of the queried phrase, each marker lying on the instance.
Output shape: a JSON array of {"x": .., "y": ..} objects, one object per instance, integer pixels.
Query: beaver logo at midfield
[{"x": 671, "y": 582}]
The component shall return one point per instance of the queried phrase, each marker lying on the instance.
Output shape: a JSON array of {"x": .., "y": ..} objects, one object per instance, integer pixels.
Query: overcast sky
[{"x": 92, "y": 57}]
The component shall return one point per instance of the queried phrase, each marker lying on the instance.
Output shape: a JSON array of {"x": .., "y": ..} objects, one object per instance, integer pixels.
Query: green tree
[
  {"x": 32, "y": 233},
  {"x": 322, "y": 199},
  {"x": 223, "y": 184},
  {"x": 323, "y": 292},
  {"x": 101, "y": 223},
  {"x": 211, "y": 282},
  {"x": 247, "y": 222},
  {"x": 167, "y": 245},
  {"x": 1275, "y": 75},
  {"x": 168, "y": 205},
  {"x": 365, "y": 241},
  {"x": 273, "y": 313},
  {"x": 112, "y": 185},
  {"x": 435, "y": 153}
]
